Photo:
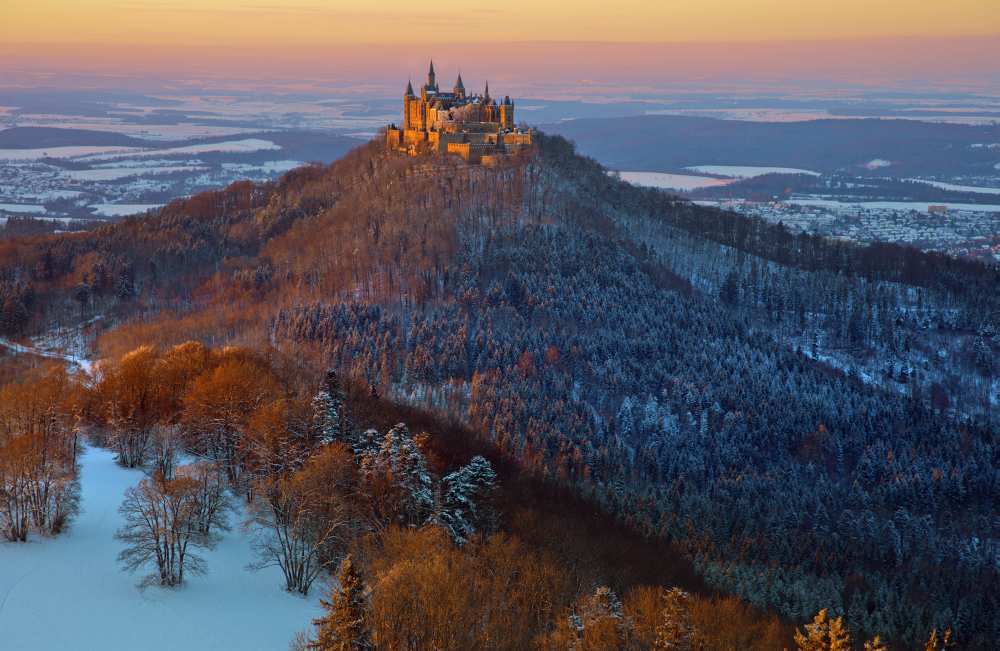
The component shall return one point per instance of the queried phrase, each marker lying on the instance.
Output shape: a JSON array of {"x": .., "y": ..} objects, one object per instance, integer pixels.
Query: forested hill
[{"x": 812, "y": 423}]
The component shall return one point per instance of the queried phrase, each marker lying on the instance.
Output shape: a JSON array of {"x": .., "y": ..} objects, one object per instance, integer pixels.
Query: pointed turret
[
  {"x": 431, "y": 77},
  {"x": 409, "y": 89},
  {"x": 459, "y": 89},
  {"x": 486, "y": 93}
]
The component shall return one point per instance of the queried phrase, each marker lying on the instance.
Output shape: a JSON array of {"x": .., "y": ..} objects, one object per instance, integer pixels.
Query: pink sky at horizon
[{"x": 955, "y": 62}]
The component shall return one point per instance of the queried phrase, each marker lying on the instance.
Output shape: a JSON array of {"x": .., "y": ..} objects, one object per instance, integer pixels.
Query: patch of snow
[
  {"x": 667, "y": 181},
  {"x": 246, "y": 146},
  {"x": 22, "y": 208},
  {"x": 123, "y": 209},
  {"x": 53, "y": 195},
  {"x": 75, "y": 580},
  {"x": 271, "y": 167},
  {"x": 959, "y": 188},
  {"x": 60, "y": 152},
  {"x": 877, "y": 164},
  {"x": 116, "y": 173},
  {"x": 83, "y": 363},
  {"x": 746, "y": 171}
]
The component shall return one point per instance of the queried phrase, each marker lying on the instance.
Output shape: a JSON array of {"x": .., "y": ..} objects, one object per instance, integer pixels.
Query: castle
[{"x": 475, "y": 127}]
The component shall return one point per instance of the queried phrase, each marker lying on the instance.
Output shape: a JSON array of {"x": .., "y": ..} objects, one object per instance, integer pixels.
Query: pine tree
[
  {"x": 464, "y": 504},
  {"x": 328, "y": 406},
  {"x": 824, "y": 634},
  {"x": 675, "y": 631},
  {"x": 344, "y": 627},
  {"x": 403, "y": 461},
  {"x": 729, "y": 293}
]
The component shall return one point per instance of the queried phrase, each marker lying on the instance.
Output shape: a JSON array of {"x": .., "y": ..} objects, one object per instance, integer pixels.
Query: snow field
[{"x": 69, "y": 592}]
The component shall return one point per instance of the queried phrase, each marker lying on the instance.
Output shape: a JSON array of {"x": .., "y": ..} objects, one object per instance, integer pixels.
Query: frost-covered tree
[
  {"x": 464, "y": 504},
  {"x": 330, "y": 410},
  {"x": 675, "y": 631},
  {"x": 344, "y": 626},
  {"x": 595, "y": 623},
  {"x": 399, "y": 475}
]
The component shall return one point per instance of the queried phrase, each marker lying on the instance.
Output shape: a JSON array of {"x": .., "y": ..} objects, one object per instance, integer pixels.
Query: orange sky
[
  {"x": 630, "y": 41},
  {"x": 270, "y": 23}
]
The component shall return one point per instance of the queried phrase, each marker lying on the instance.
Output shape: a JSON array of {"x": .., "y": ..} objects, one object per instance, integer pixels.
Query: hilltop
[{"x": 811, "y": 424}]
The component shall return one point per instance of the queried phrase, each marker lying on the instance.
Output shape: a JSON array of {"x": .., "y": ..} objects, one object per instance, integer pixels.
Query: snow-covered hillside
[{"x": 69, "y": 592}]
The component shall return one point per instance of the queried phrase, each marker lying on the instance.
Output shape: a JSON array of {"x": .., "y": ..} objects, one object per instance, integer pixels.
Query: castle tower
[
  {"x": 431, "y": 78},
  {"x": 408, "y": 99},
  {"x": 459, "y": 89},
  {"x": 507, "y": 113},
  {"x": 489, "y": 110}
]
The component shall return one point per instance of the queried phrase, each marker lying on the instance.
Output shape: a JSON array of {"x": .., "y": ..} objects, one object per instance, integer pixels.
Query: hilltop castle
[{"x": 475, "y": 127}]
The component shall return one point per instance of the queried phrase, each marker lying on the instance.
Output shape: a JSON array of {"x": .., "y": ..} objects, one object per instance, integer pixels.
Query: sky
[
  {"x": 871, "y": 41},
  {"x": 319, "y": 22}
]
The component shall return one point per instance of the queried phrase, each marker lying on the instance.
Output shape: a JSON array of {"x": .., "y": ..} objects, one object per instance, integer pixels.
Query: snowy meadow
[{"x": 100, "y": 606}]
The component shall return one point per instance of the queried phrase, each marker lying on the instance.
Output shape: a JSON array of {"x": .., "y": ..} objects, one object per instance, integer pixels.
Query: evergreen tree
[
  {"x": 401, "y": 459},
  {"x": 464, "y": 504},
  {"x": 330, "y": 412},
  {"x": 675, "y": 631},
  {"x": 344, "y": 626},
  {"x": 729, "y": 293}
]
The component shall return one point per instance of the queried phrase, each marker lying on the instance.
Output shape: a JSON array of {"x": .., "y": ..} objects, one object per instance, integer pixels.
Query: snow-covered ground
[
  {"x": 74, "y": 360},
  {"x": 69, "y": 592},
  {"x": 118, "y": 173},
  {"x": 60, "y": 152},
  {"x": 246, "y": 146},
  {"x": 667, "y": 181},
  {"x": 22, "y": 208},
  {"x": 746, "y": 171},
  {"x": 978, "y": 189},
  {"x": 123, "y": 209}
]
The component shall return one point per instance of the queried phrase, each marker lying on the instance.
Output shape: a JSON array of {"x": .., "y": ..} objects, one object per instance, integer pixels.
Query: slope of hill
[{"x": 812, "y": 423}]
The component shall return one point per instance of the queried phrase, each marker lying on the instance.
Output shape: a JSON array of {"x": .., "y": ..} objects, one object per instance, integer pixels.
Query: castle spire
[
  {"x": 431, "y": 76},
  {"x": 487, "y": 94},
  {"x": 458, "y": 82},
  {"x": 409, "y": 89}
]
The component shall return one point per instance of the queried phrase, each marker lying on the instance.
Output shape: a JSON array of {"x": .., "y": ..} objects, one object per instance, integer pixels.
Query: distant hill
[
  {"x": 40, "y": 137},
  {"x": 667, "y": 143}
]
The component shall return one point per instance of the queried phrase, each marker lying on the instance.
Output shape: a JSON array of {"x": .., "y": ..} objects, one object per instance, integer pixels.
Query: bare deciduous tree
[
  {"x": 165, "y": 445},
  {"x": 213, "y": 503},
  {"x": 304, "y": 521},
  {"x": 162, "y": 527}
]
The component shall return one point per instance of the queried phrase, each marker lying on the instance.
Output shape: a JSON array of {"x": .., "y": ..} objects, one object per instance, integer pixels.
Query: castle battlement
[{"x": 472, "y": 126}]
